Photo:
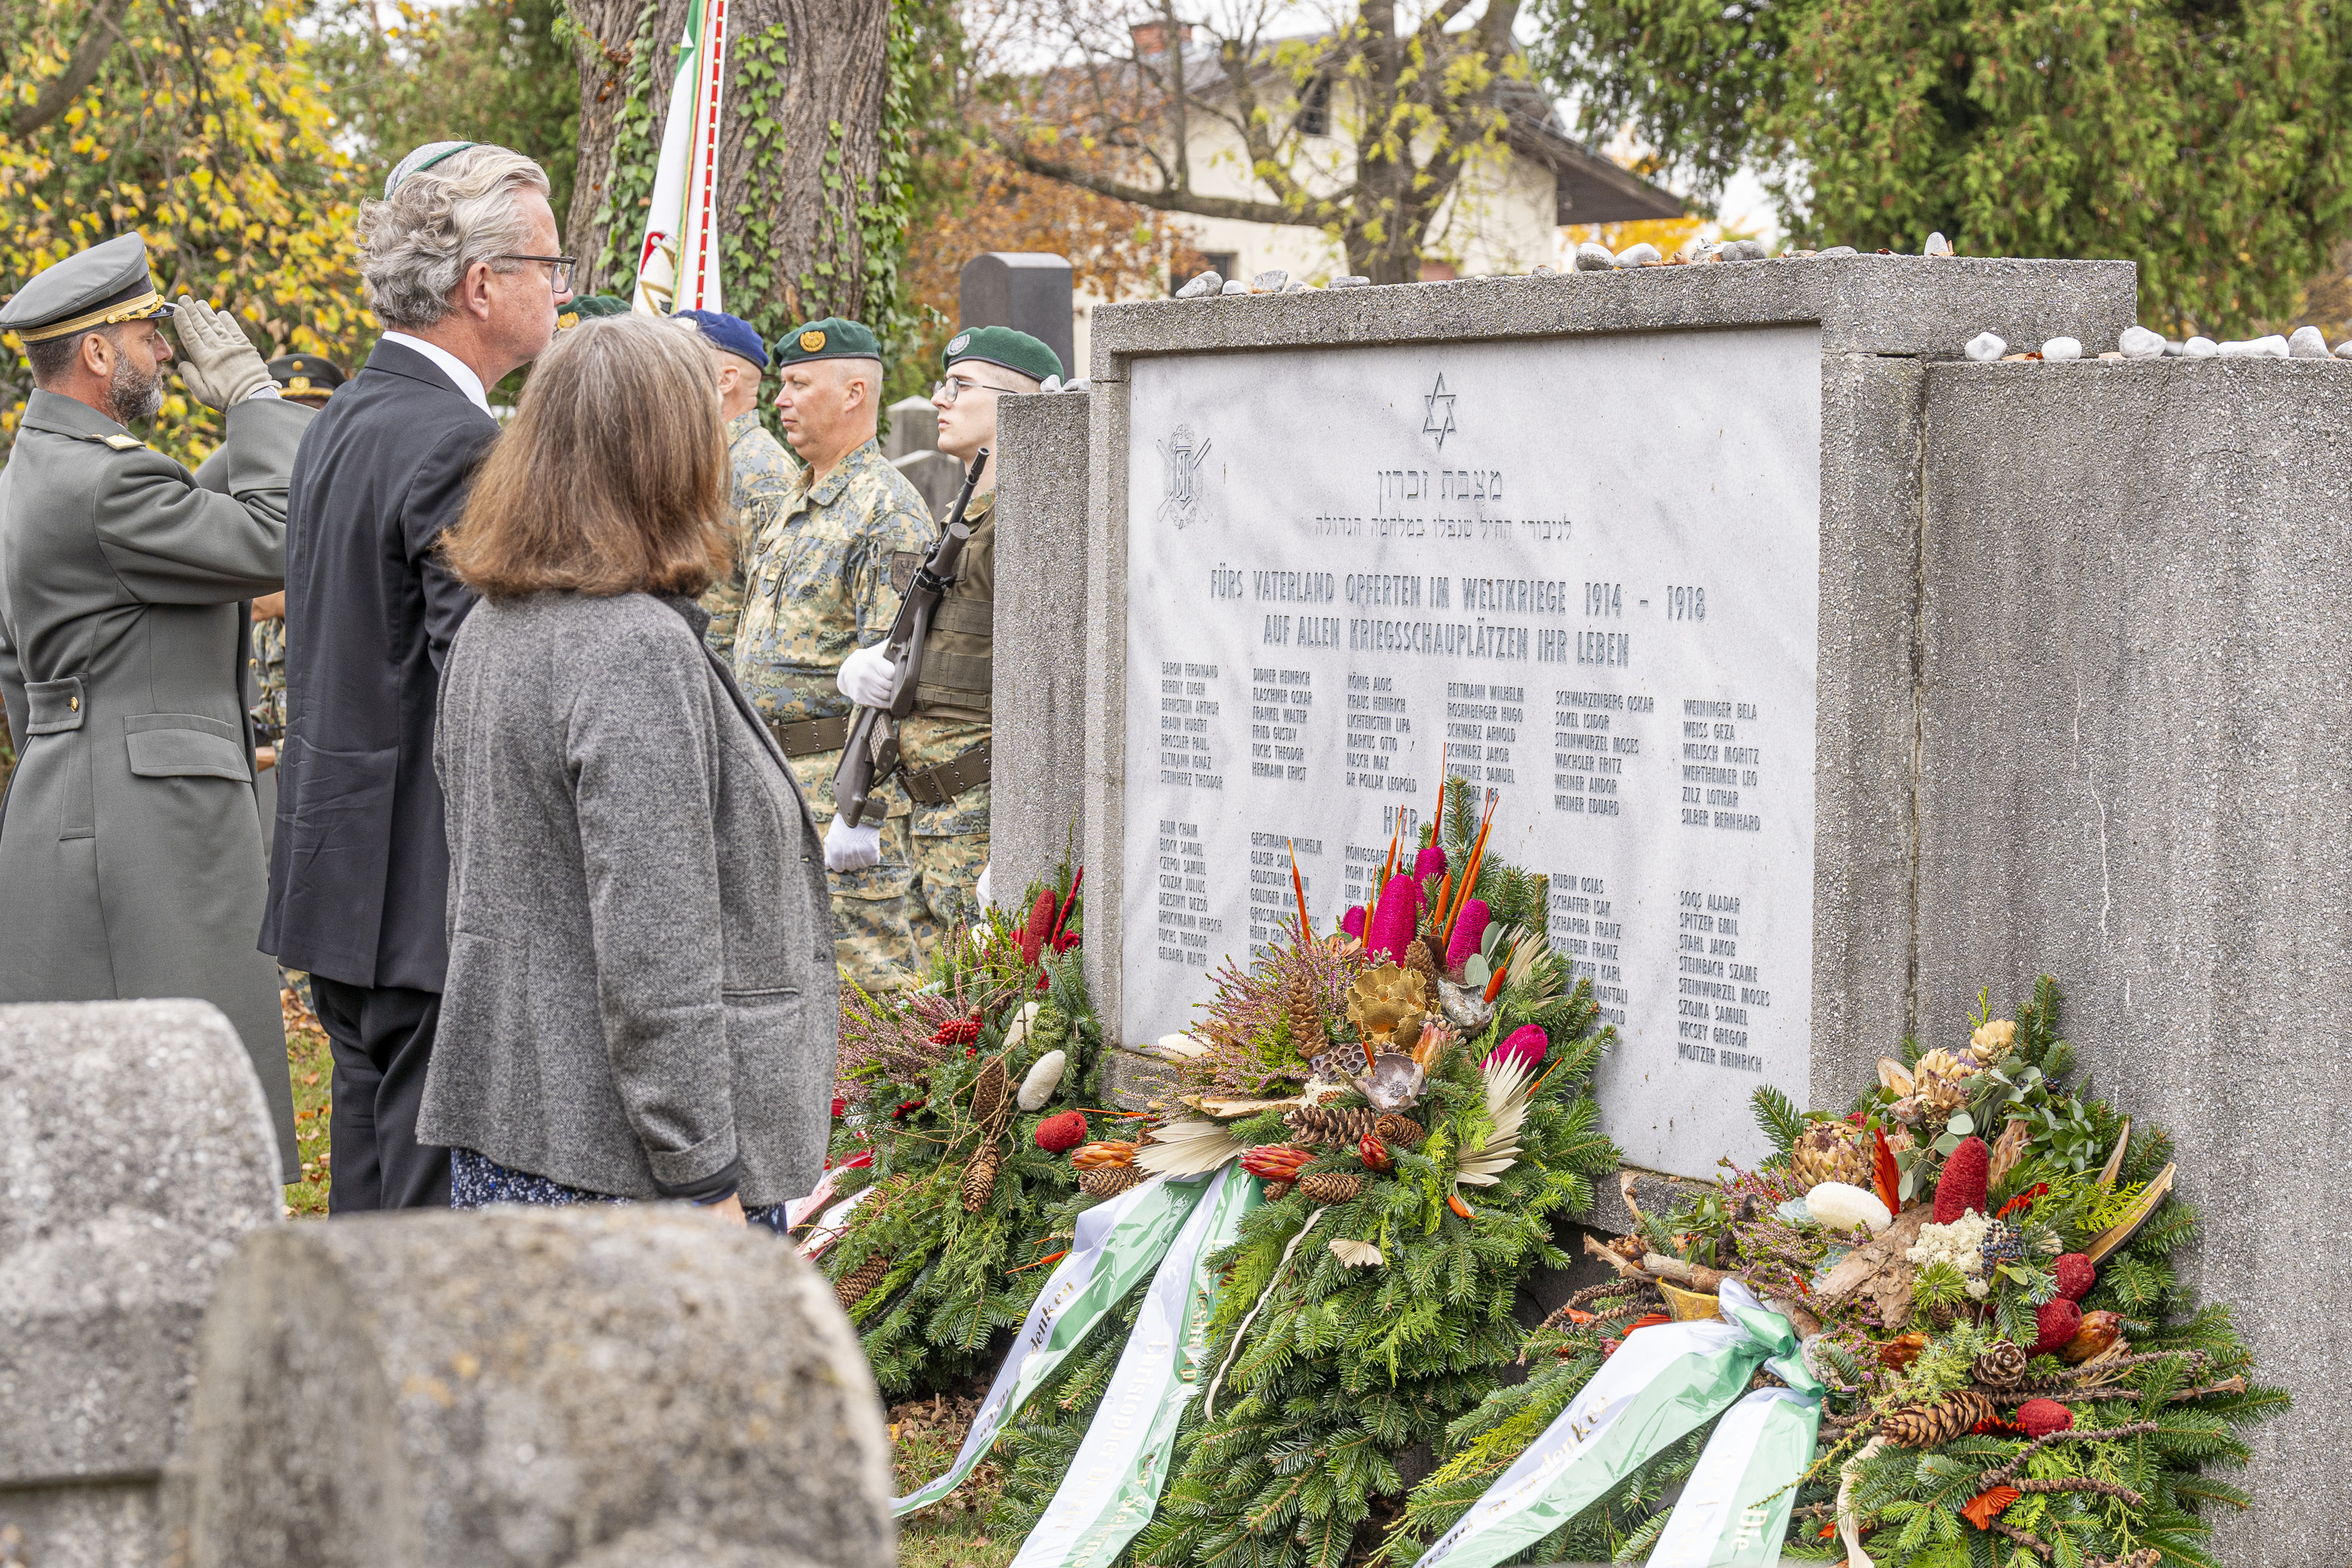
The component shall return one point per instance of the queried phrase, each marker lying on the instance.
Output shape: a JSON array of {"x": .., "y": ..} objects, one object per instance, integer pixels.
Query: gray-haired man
[{"x": 460, "y": 267}]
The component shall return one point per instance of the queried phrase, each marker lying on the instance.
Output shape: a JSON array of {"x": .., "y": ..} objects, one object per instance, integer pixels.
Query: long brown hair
[{"x": 612, "y": 479}]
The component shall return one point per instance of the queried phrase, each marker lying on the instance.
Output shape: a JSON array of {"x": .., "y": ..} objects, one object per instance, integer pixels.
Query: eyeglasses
[
  {"x": 955, "y": 386},
  {"x": 558, "y": 269}
]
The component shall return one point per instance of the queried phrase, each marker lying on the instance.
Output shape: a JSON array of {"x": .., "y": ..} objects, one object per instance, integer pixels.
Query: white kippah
[{"x": 425, "y": 157}]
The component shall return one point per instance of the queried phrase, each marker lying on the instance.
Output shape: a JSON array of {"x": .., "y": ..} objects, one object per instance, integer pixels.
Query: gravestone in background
[
  {"x": 1027, "y": 290},
  {"x": 1674, "y": 516},
  {"x": 135, "y": 1150}
]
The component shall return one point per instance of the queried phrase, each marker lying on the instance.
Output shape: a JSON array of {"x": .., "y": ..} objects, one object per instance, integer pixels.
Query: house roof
[{"x": 1592, "y": 188}]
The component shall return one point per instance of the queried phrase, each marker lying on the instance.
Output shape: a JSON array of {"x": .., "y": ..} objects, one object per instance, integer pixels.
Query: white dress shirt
[{"x": 455, "y": 369}]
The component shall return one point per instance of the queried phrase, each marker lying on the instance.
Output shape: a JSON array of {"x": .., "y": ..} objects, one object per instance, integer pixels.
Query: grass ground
[
  {"x": 313, "y": 1071},
  {"x": 925, "y": 1435}
]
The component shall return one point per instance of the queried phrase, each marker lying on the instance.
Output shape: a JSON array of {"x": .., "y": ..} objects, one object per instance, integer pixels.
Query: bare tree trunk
[
  {"x": 794, "y": 194},
  {"x": 814, "y": 73}
]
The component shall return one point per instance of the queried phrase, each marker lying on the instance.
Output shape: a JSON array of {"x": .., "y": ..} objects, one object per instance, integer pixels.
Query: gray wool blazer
[{"x": 641, "y": 994}]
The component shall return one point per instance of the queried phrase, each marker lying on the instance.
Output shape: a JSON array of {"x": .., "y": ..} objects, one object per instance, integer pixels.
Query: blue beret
[{"x": 731, "y": 333}]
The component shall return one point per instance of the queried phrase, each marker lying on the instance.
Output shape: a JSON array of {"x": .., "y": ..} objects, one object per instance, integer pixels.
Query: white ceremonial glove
[
  {"x": 217, "y": 363},
  {"x": 848, "y": 848},
  {"x": 866, "y": 677},
  {"x": 982, "y": 886}
]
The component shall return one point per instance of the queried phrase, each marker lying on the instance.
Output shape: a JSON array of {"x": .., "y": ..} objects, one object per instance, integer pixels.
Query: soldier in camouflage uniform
[
  {"x": 764, "y": 467},
  {"x": 944, "y": 742},
  {"x": 825, "y": 579}
]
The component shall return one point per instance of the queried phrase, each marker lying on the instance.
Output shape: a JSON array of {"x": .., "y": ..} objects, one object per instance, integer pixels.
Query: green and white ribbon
[
  {"x": 1662, "y": 1384},
  {"x": 1110, "y": 1492},
  {"x": 1114, "y": 1245}
]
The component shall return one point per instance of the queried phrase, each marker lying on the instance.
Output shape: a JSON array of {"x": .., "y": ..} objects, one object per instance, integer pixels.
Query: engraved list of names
[{"x": 1581, "y": 575}]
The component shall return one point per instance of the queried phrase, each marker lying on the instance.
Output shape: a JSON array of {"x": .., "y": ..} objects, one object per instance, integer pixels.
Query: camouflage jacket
[
  {"x": 268, "y": 682},
  {"x": 765, "y": 471},
  {"x": 821, "y": 584},
  {"x": 927, "y": 739}
]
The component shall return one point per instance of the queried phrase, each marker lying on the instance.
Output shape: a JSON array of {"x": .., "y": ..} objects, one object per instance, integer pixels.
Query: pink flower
[
  {"x": 1430, "y": 862},
  {"x": 1528, "y": 1044},
  {"x": 1468, "y": 931},
  {"x": 1393, "y": 925},
  {"x": 1352, "y": 923}
]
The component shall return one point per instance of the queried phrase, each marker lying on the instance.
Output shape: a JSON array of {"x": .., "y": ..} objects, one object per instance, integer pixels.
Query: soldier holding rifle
[
  {"x": 825, "y": 578},
  {"x": 944, "y": 739}
]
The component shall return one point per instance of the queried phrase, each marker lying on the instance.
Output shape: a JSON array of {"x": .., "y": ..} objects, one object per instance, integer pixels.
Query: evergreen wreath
[
  {"x": 2014, "y": 1376},
  {"x": 951, "y": 1091},
  {"x": 1417, "y": 1128}
]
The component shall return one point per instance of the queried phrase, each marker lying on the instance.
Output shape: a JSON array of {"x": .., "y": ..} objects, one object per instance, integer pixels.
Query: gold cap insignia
[
  {"x": 811, "y": 341},
  {"x": 569, "y": 319},
  {"x": 299, "y": 383}
]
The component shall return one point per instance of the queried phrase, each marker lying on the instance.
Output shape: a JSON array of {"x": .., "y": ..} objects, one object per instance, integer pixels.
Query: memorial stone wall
[{"x": 2002, "y": 670}]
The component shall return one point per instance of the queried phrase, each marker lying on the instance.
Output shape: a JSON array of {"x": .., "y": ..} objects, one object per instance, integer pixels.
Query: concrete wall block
[
  {"x": 1037, "y": 757},
  {"x": 2136, "y": 777},
  {"x": 1863, "y": 731},
  {"x": 1104, "y": 828},
  {"x": 532, "y": 1387},
  {"x": 134, "y": 1150}
]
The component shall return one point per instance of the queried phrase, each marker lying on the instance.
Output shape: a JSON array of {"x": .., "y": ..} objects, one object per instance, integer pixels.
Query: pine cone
[
  {"x": 980, "y": 1177},
  {"x": 1109, "y": 1180},
  {"x": 1423, "y": 962},
  {"x": 855, "y": 1286},
  {"x": 990, "y": 1092},
  {"x": 1324, "y": 1124},
  {"x": 1331, "y": 1186},
  {"x": 1277, "y": 1191},
  {"x": 2002, "y": 1367},
  {"x": 1398, "y": 1131},
  {"x": 1306, "y": 1014},
  {"x": 1933, "y": 1425}
]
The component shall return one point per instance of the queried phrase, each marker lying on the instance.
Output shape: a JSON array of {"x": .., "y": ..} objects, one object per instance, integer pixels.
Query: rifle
[{"x": 871, "y": 755}]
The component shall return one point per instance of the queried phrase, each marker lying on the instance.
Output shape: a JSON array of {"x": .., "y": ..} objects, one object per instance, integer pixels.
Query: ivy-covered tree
[
  {"x": 2209, "y": 140},
  {"x": 826, "y": 102}
]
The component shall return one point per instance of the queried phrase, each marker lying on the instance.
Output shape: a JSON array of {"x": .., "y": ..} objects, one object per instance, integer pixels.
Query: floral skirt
[{"x": 476, "y": 1181}]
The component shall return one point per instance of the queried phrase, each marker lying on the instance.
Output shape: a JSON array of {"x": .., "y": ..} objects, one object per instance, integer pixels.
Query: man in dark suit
[{"x": 460, "y": 267}]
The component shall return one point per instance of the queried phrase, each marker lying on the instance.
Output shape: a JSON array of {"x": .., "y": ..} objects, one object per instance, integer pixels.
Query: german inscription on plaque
[{"x": 1579, "y": 574}]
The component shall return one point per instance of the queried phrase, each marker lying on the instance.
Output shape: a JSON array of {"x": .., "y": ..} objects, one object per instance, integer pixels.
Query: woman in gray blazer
[{"x": 641, "y": 998}]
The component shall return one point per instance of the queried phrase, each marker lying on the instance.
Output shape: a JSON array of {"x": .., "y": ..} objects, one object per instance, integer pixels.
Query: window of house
[
  {"x": 1315, "y": 107},
  {"x": 1221, "y": 262}
]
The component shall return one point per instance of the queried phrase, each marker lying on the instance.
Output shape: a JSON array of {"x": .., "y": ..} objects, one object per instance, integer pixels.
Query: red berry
[
  {"x": 1066, "y": 1130},
  {"x": 1961, "y": 1187},
  {"x": 2076, "y": 1276},
  {"x": 2056, "y": 1322},
  {"x": 2039, "y": 1417}
]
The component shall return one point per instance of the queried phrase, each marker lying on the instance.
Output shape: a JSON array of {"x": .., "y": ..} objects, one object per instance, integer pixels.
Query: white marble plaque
[{"x": 1581, "y": 573}]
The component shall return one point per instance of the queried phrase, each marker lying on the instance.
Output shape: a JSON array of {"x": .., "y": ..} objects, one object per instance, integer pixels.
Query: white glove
[
  {"x": 848, "y": 848},
  {"x": 982, "y": 886},
  {"x": 866, "y": 677},
  {"x": 219, "y": 364}
]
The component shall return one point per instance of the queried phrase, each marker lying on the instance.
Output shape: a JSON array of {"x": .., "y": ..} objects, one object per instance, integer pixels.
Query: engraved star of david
[{"x": 1439, "y": 401}]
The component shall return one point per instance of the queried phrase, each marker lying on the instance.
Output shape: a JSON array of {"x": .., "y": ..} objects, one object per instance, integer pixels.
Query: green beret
[
  {"x": 831, "y": 338},
  {"x": 588, "y": 306},
  {"x": 97, "y": 287},
  {"x": 1016, "y": 352}
]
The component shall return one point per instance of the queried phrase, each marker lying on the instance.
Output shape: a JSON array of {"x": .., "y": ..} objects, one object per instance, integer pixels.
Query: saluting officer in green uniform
[
  {"x": 943, "y": 744},
  {"x": 825, "y": 579},
  {"x": 130, "y": 846}
]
